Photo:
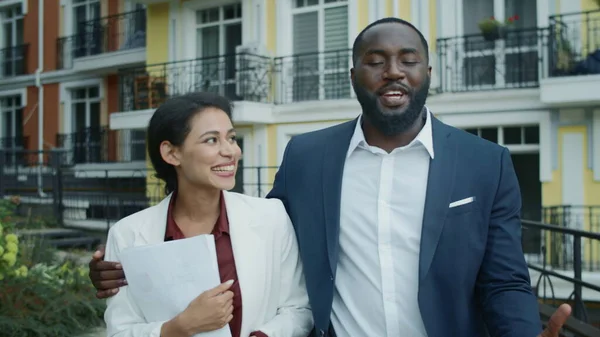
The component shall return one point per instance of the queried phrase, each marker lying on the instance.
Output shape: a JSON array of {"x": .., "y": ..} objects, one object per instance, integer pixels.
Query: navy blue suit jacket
[{"x": 472, "y": 272}]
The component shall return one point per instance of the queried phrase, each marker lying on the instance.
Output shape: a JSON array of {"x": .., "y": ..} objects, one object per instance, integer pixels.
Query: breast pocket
[{"x": 462, "y": 206}]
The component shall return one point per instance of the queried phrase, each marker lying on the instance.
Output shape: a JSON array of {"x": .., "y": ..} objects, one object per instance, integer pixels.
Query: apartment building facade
[
  {"x": 92, "y": 82},
  {"x": 58, "y": 87},
  {"x": 285, "y": 63},
  {"x": 57, "y": 91}
]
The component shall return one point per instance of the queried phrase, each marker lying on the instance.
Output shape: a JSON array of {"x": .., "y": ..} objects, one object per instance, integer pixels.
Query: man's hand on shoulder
[
  {"x": 557, "y": 320},
  {"x": 106, "y": 276}
]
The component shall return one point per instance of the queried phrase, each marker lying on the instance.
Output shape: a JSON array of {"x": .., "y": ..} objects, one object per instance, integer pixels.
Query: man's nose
[{"x": 395, "y": 72}]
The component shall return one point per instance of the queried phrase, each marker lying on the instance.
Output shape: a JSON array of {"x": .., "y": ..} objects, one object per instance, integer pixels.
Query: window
[
  {"x": 320, "y": 47},
  {"x": 218, "y": 34},
  {"x": 12, "y": 122},
  {"x": 87, "y": 137},
  {"x": 11, "y": 112},
  {"x": 511, "y": 60},
  {"x": 87, "y": 28},
  {"x": 12, "y": 49},
  {"x": 509, "y": 135}
]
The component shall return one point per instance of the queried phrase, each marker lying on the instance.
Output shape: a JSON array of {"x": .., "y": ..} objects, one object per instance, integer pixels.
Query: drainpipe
[{"x": 38, "y": 84}]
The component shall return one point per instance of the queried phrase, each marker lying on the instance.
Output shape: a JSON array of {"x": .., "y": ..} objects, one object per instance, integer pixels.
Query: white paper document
[{"x": 164, "y": 278}]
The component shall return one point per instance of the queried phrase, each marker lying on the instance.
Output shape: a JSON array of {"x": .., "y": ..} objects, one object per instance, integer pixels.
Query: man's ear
[{"x": 352, "y": 76}]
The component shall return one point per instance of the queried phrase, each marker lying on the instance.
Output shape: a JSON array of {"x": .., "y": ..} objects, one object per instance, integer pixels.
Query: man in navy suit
[{"x": 406, "y": 226}]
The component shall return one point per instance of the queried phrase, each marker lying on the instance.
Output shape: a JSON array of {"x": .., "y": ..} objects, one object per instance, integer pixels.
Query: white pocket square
[{"x": 462, "y": 202}]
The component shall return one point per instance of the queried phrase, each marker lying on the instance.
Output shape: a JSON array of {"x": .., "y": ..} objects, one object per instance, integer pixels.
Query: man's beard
[{"x": 389, "y": 123}]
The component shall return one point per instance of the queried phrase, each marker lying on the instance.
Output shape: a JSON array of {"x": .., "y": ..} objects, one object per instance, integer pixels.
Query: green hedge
[{"x": 40, "y": 296}]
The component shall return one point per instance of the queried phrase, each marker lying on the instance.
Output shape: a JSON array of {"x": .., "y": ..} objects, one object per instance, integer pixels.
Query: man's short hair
[{"x": 359, "y": 39}]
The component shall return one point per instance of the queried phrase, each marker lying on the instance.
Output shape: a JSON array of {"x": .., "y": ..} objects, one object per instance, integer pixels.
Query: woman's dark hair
[{"x": 171, "y": 122}]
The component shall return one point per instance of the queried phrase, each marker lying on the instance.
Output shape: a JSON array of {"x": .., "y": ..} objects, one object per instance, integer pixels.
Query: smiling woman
[{"x": 192, "y": 146}]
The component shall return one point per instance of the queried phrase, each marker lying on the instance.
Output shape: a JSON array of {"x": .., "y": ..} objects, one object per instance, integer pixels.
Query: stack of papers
[{"x": 164, "y": 278}]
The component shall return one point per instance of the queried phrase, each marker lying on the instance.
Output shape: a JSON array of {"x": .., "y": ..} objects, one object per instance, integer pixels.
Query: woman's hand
[{"x": 210, "y": 311}]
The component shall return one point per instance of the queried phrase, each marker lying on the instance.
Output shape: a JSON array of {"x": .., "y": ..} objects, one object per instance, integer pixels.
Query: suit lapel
[
  {"x": 334, "y": 158},
  {"x": 248, "y": 252},
  {"x": 439, "y": 189},
  {"x": 153, "y": 231}
]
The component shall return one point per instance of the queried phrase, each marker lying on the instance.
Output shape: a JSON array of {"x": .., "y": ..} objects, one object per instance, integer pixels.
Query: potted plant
[{"x": 492, "y": 29}]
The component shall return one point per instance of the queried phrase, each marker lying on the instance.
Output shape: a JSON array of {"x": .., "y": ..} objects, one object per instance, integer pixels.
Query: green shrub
[{"x": 45, "y": 299}]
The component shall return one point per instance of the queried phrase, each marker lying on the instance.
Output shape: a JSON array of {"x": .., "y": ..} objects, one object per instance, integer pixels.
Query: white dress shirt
[{"x": 381, "y": 215}]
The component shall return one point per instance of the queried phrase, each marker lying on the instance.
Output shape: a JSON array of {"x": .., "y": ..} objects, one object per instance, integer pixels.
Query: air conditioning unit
[{"x": 253, "y": 71}]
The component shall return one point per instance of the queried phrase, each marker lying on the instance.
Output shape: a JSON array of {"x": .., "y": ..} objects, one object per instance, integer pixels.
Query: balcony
[
  {"x": 240, "y": 77},
  {"x": 313, "y": 76},
  {"x": 472, "y": 63},
  {"x": 123, "y": 36},
  {"x": 99, "y": 145},
  {"x": 12, "y": 147},
  {"x": 574, "y": 67},
  {"x": 13, "y": 60}
]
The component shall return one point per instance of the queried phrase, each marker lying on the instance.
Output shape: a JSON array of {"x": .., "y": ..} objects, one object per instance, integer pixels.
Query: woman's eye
[
  {"x": 233, "y": 139},
  {"x": 211, "y": 140}
]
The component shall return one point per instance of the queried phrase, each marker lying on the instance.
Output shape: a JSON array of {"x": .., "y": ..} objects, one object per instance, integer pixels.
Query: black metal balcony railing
[
  {"x": 559, "y": 247},
  {"x": 469, "y": 63},
  {"x": 238, "y": 77},
  {"x": 575, "y": 255},
  {"x": 517, "y": 58},
  {"x": 108, "y": 34},
  {"x": 13, "y": 60},
  {"x": 575, "y": 44},
  {"x": 14, "y": 142},
  {"x": 101, "y": 145},
  {"x": 12, "y": 147},
  {"x": 313, "y": 76}
]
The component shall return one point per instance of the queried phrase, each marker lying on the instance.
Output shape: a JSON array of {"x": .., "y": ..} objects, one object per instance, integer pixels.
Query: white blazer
[{"x": 274, "y": 298}]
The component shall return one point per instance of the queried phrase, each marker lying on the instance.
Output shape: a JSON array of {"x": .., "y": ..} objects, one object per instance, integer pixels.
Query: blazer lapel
[
  {"x": 248, "y": 252},
  {"x": 334, "y": 158},
  {"x": 153, "y": 231},
  {"x": 439, "y": 189}
]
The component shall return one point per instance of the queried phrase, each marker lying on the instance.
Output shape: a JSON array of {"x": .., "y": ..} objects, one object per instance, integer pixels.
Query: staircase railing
[{"x": 573, "y": 248}]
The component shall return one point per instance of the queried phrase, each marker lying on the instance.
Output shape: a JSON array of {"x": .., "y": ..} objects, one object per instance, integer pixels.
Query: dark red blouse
[{"x": 225, "y": 259}]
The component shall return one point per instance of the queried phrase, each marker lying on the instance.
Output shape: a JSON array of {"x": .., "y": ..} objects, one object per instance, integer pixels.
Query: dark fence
[
  {"x": 13, "y": 60},
  {"x": 555, "y": 249},
  {"x": 575, "y": 43},
  {"x": 102, "y": 145},
  {"x": 237, "y": 76},
  {"x": 108, "y": 34},
  {"x": 313, "y": 76},
  {"x": 94, "y": 197},
  {"x": 471, "y": 62},
  {"x": 554, "y": 286}
]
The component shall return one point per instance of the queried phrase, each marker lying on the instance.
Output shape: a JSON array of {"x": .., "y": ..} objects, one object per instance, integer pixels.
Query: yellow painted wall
[
  {"x": 588, "y": 5},
  {"x": 157, "y": 27},
  {"x": 590, "y": 24},
  {"x": 271, "y": 10},
  {"x": 272, "y": 151},
  {"x": 157, "y": 51},
  {"x": 405, "y": 9},
  {"x": 431, "y": 39},
  {"x": 362, "y": 17},
  {"x": 552, "y": 191},
  {"x": 389, "y": 8}
]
